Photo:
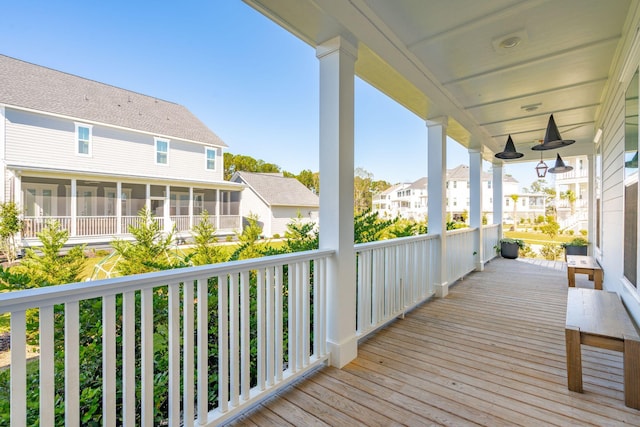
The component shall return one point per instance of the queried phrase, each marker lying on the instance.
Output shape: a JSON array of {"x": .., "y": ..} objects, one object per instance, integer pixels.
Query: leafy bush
[
  {"x": 578, "y": 241},
  {"x": 52, "y": 268},
  {"x": 151, "y": 250},
  {"x": 551, "y": 251}
]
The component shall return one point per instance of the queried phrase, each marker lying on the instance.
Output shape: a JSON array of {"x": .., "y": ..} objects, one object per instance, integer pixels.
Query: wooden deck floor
[{"x": 491, "y": 353}]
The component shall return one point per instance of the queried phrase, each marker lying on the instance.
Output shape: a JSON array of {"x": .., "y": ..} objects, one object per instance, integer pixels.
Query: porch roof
[
  {"x": 493, "y": 68},
  {"x": 47, "y": 172},
  {"x": 491, "y": 353}
]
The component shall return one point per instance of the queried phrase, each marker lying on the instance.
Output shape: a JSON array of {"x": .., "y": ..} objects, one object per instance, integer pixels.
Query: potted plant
[
  {"x": 509, "y": 248},
  {"x": 577, "y": 246}
]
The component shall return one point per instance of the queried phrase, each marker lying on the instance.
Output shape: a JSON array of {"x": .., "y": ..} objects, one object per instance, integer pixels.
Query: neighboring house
[
  {"x": 409, "y": 200},
  {"x": 276, "y": 200},
  {"x": 573, "y": 214},
  {"x": 91, "y": 156}
]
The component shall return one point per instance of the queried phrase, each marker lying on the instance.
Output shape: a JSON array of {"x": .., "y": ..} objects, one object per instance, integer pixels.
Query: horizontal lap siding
[{"x": 49, "y": 142}]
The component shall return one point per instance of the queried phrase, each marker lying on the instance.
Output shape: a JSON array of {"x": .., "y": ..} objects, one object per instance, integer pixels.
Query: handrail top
[
  {"x": 70, "y": 292},
  {"x": 393, "y": 242}
]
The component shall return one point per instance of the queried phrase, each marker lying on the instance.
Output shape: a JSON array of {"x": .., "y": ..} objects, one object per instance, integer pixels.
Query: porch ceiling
[{"x": 443, "y": 57}]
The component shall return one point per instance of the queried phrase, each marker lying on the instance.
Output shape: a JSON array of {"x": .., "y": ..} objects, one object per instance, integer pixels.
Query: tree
[
  {"x": 309, "y": 179},
  {"x": 515, "y": 198},
  {"x": 205, "y": 250},
  {"x": 10, "y": 225},
  {"x": 150, "y": 251},
  {"x": 362, "y": 190},
  {"x": 570, "y": 196},
  {"x": 235, "y": 163},
  {"x": 52, "y": 267},
  {"x": 368, "y": 227},
  {"x": 248, "y": 239}
]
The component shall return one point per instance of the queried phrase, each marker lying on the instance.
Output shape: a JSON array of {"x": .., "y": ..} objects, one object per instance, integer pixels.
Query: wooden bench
[
  {"x": 584, "y": 265},
  {"x": 599, "y": 319}
]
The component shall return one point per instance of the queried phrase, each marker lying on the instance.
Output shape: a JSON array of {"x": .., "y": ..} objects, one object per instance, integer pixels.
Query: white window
[
  {"x": 210, "y": 155},
  {"x": 162, "y": 152},
  {"x": 83, "y": 139}
]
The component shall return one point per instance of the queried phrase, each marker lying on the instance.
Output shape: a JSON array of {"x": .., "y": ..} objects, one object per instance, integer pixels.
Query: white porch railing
[
  {"x": 490, "y": 238},
  {"x": 96, "y": 225},
  {"x": 461, "y": 254},
  {"x": 32, "y": 225},
  {"x": 181, "y": 222},
  {"x": 230, "y": 222},
  {"x": 393, "y": 276},
  {"x": 269, "y": 315}
]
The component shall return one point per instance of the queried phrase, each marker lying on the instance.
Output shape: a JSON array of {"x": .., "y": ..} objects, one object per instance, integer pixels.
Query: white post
[
  {"x": 437, "y": 195},
  {"x": 167, "y": 209},
  {"x": 17, "y": 191},
  {"x": 475, "y": 205},
  {"x": 119, "y": 208},
  {"x": 3, "y": 174},
  {"x": 74, "y": 206},
  {"x": 591, "y": 224},
  {"x": 337, "y": 70},
  {"x": 217, "y": 212},
  {"x": 497, "y": 195},
  {"x": 147, "y": 201},
  {"x": 191, "y": 208}
]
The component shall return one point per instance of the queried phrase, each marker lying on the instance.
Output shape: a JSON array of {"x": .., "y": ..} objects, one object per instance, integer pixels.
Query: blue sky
[{"x": 247, "y": 79}]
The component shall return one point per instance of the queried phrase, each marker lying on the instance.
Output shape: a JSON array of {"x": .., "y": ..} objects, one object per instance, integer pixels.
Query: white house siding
[
  {"x": 50, "y": 143},
  {"x": 254, "y": 205},
  {"x": 612, "y": 205},
  {"x": 283, "y": 215},
  {"x": 613, "y": 202}
]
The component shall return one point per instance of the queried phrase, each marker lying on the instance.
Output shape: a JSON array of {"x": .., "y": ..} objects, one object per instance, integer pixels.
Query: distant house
[
  {"x": 91, "y": 155},
  {"x": 409, "y": 200},
  {"x": 276, "y": 200}
]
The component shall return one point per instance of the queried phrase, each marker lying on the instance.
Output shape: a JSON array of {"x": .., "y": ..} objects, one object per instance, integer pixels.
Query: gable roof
[
  {"x": 33, "y": 87},
  {"x": 276, "y": 190}
]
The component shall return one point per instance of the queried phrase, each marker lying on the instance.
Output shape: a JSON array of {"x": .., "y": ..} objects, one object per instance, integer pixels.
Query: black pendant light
[
  {"x": 552, "y": 138},
  {"x": 560, "y": 167},
  {"x": 509, "y": 151},
  {"x": 541, "y": 168}
]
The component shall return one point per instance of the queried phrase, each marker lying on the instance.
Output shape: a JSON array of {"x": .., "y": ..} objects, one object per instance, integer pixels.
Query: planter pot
[
  {"x": 509, "y": 250},
  {"x": 575, "y": 250}
]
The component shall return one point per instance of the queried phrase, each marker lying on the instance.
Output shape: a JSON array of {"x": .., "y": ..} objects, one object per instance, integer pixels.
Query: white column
[
  {"x": 167, "y": 209},
  {"x": 119, "y": 207},
  {"x": 337, "y": 73},
  {"x": 147, "y": 202},
  {"x": 217, "y": 212},
  {"x": 437, "y": 195},
  {"x": 475, "y": 205},
  {"x": 17, "y": 191},
  {"x": 190, "y": 208},
  {"x": 497, "y": 195},
  {"x": 591, "y": 210},
  {"x": 3, "y": 170},
  {"x": 74, "y": 207}
]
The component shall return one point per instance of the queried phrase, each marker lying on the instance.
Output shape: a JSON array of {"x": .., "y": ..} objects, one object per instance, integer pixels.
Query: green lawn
[{"x": 538, "y": 238}]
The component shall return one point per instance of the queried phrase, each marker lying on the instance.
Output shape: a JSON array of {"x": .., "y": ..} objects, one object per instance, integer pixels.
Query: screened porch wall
[{"x": 97, "y": 213}]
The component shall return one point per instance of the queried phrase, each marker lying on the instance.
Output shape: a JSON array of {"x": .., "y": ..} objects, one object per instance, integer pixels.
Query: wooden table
[
  {"x": 584, "y": 265},
  {"x": 599, "y": 319}
]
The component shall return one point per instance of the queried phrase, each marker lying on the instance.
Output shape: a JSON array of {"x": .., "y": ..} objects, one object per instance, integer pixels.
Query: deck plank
[{"x": 491, "y": 353}]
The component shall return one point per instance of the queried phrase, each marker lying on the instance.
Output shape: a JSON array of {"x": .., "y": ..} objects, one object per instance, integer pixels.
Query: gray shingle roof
[
  {"x": 30, "y": 86},
  {"x": 277, "y": 190}
]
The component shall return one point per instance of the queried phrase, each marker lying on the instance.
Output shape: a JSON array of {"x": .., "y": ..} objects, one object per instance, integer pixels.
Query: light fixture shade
[
  {"x": 509, "y": 151},
  {"x": 560, "y": 167},
  {"x": 552, "y": 138}
]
